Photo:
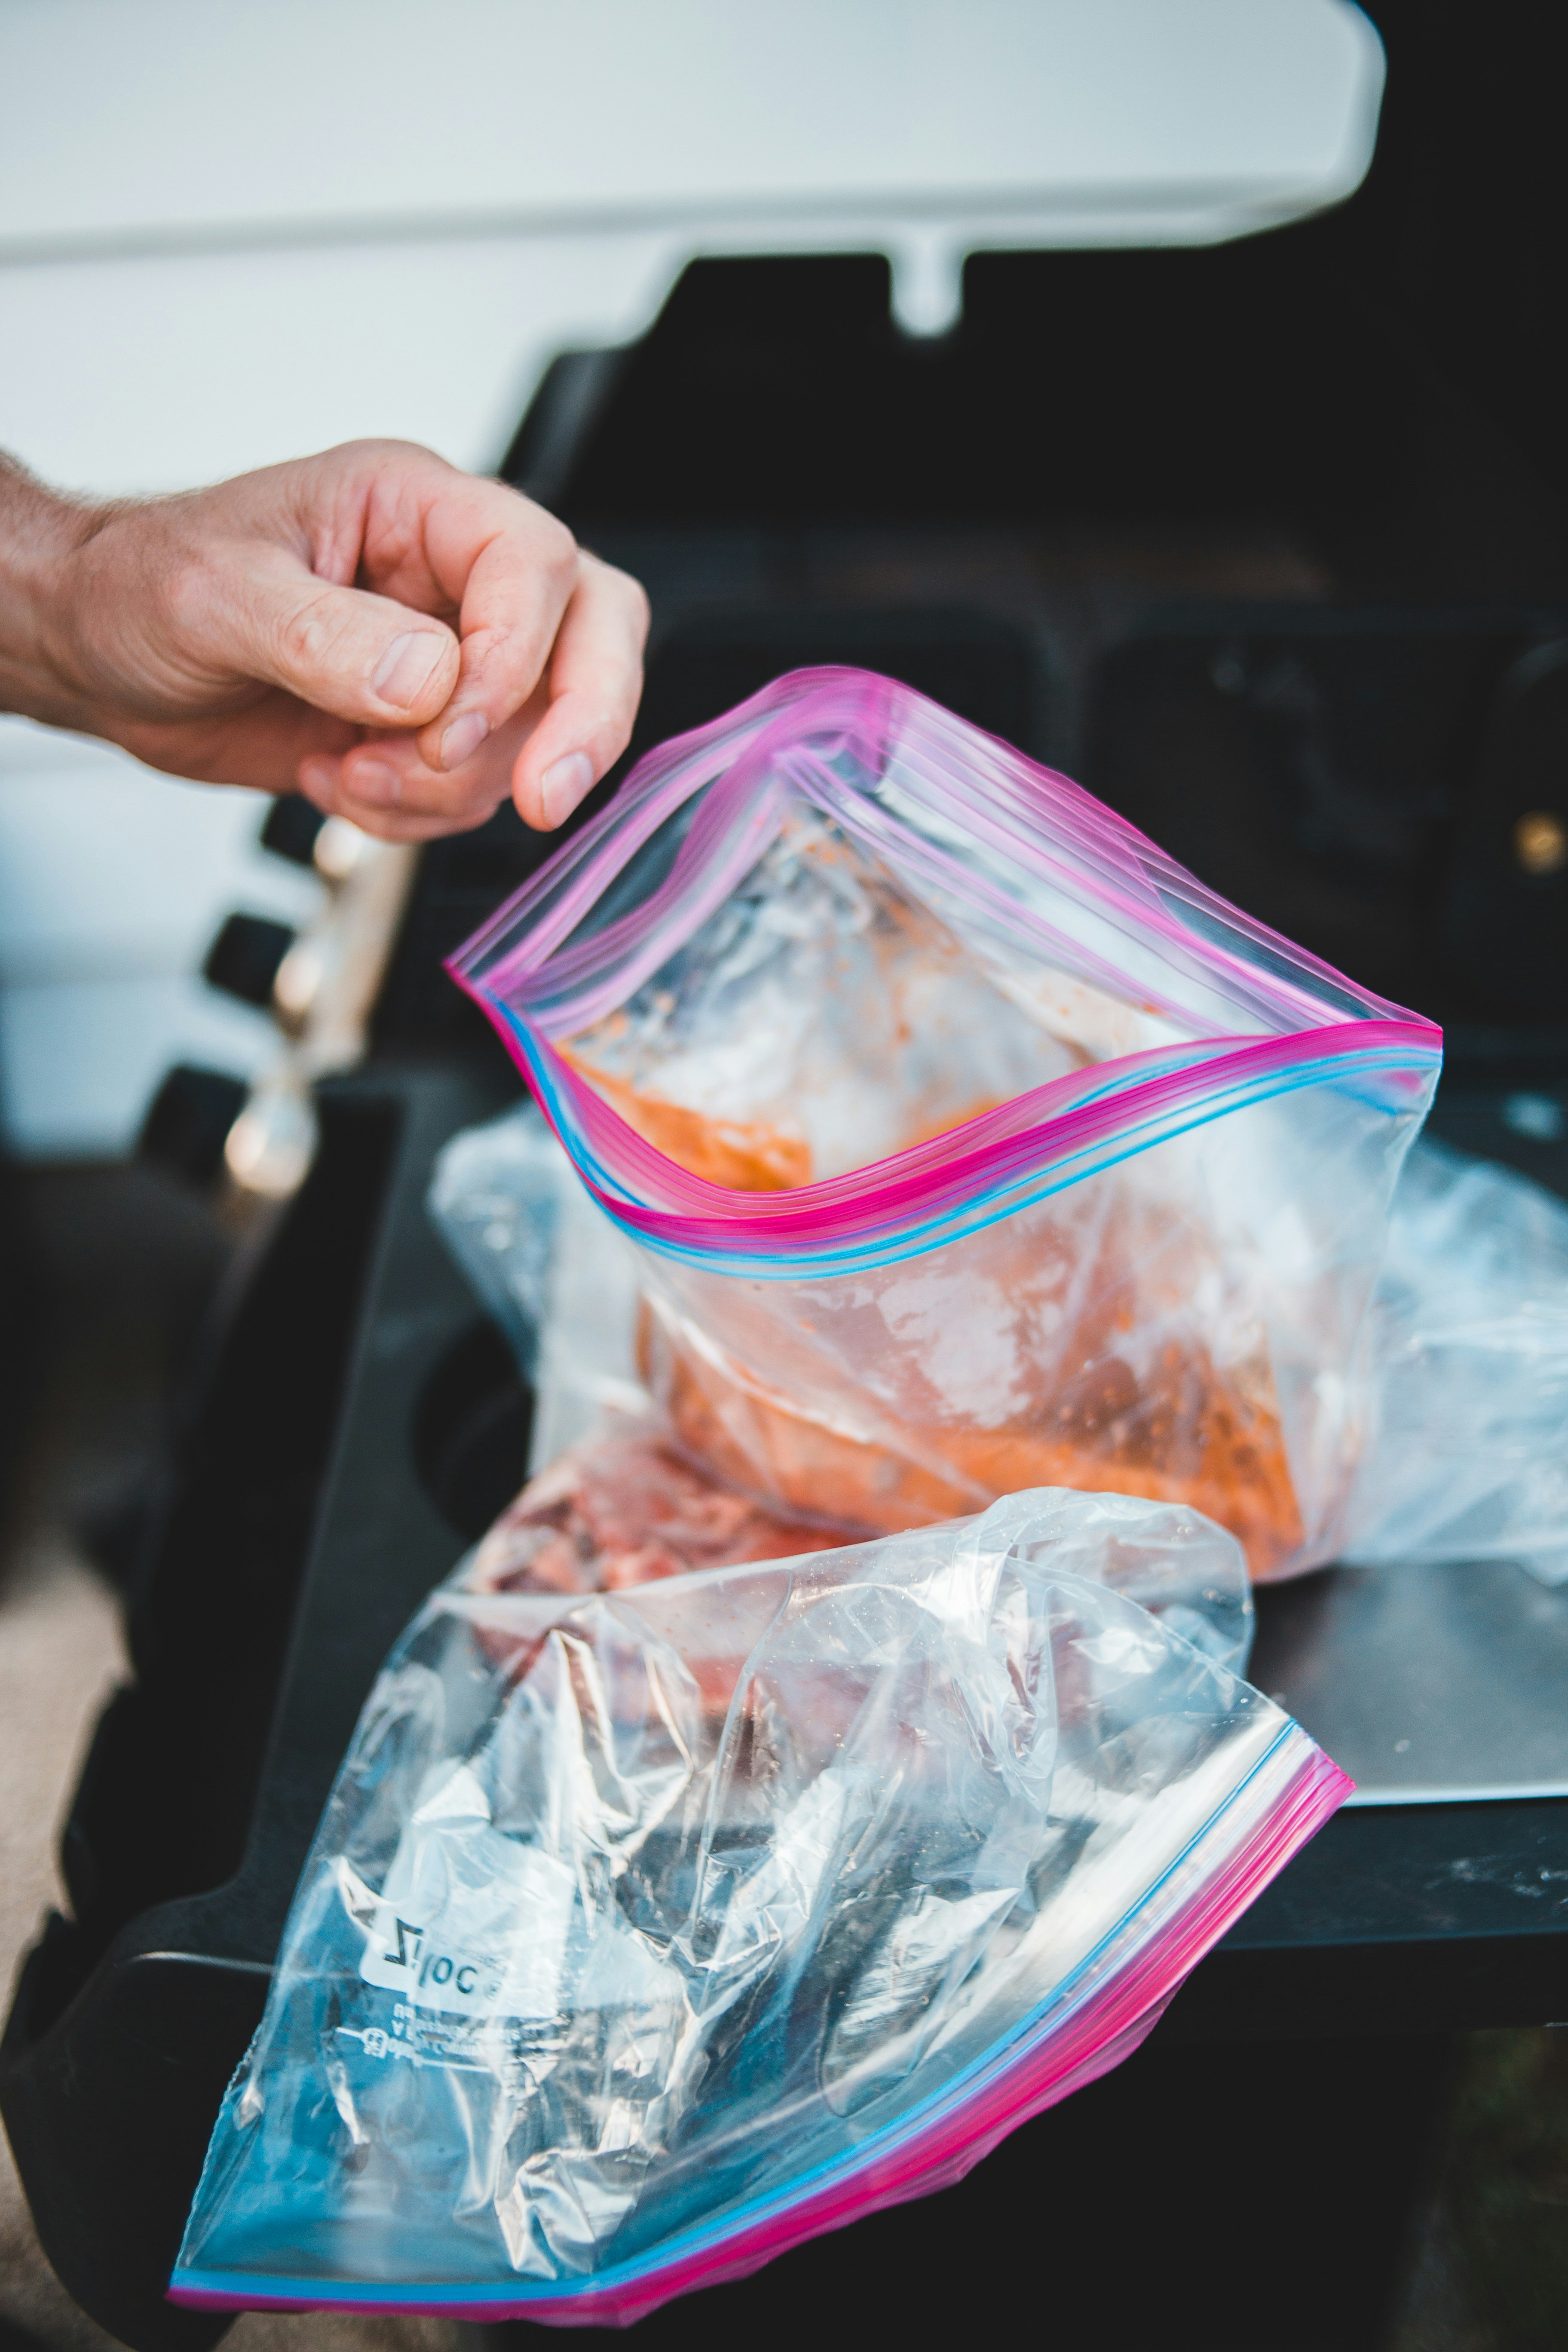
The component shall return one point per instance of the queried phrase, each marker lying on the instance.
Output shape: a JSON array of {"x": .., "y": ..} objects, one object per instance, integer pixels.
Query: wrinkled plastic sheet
[{"x": 649, "y": 1932}]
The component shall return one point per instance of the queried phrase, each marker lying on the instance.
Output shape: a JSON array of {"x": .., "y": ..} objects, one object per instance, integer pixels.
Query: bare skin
[{"x": 405, "y": 644}]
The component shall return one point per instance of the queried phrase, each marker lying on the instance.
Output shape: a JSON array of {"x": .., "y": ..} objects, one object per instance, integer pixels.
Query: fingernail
[
  {"x": 407, "y": 666},
  {"x": 463, "y": 738},
  {"x": 562, "y": 785},
  {"x": 373, "y": 782}
]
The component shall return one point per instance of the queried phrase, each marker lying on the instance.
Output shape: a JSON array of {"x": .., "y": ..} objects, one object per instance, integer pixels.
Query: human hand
[{"x": 405, "y": 644}]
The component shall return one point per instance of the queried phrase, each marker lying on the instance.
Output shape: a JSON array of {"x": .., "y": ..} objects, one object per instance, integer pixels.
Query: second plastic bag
[
  {"x": 649, "y": 1933},
  {"x": 968, "y": 1143},
  {"x": 1469, "y": 1455},
  {"x": 1464, "y": 1394}
]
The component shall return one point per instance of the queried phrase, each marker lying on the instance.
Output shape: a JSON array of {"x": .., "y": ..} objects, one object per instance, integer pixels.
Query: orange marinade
[{"x": 1179, "y": 1430}]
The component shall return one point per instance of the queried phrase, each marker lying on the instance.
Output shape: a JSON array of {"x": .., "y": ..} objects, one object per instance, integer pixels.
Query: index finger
[{"x": 510, "y": 567}]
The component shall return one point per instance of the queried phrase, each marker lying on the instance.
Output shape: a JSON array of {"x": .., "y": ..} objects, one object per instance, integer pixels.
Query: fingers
[
  {"x": 594, "y": 689},
  {"x": 548, "y": 754},
  {"x": 510, "y": 569},
  {"x": 529, "y": 603},
  {"x": 359, "y": 656},
  {"x": 385, "y": 787},
  {"x": 319, "y": 783}
]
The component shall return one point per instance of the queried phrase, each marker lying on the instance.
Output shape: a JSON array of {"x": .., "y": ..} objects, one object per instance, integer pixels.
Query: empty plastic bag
[
  {"x": 968, "y": 1144},
  {"x": 647, "y": 1934}
]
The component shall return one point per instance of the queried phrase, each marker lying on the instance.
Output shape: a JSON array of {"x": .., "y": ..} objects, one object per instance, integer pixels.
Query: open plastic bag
[
  {"x": 967, "y": 1143},
  {"x": 648, "y": 1933}
]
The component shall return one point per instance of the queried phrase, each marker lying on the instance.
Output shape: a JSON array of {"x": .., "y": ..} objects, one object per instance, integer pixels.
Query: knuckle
[
  {"x": 381, "y": 449},
  {"x": 641, "y": 609},
  {"x": 304, "y": 634},
  {"x": 556, "y": 550},
  {"x": 314, "y": 635},
  {"x": 485, "y": 650},
  {"x": 628, "y": 592}
]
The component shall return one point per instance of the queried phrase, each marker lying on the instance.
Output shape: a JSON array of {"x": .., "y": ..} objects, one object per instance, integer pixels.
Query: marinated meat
[
  {"x": 1073, "y": 1344},
  {"x": 1185, "y": 1435},
  {"x": 627, "y": 1507}
]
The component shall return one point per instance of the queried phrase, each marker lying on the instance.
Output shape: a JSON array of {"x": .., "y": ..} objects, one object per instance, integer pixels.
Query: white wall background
[{"x": 230, "y": 234}]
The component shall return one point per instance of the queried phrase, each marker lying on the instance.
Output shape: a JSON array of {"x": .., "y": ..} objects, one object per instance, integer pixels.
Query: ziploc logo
[{"x": 467, "y": 1921}]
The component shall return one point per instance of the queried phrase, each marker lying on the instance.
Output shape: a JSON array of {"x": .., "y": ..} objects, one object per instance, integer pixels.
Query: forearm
[{"x": 39, "y": 534}]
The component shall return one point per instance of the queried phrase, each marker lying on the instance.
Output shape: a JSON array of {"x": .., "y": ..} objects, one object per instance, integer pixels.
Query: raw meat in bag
[
  {"x": 626, "y": 1506},
  {"x": 968, "y": 1144},
  {"x": 1466, "y": 1393},
  {"x": 648, "y": 1933},
  {"x": 614, "y": 1500}
]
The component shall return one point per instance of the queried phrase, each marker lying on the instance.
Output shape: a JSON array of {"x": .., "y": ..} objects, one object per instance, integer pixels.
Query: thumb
[{"x": 359, "y": 656}]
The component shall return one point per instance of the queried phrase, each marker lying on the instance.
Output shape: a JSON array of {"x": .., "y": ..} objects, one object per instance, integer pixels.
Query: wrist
[{"x": 40, "y": 533}]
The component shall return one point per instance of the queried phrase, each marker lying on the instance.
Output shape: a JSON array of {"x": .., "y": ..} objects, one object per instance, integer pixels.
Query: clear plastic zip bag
[
  {"x": 1465, "y": 1387},
  {"x": 967, "y": 1143},
  {"x": 1466, "y": 1457},
  {"x": 649, "y": 1933}
]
